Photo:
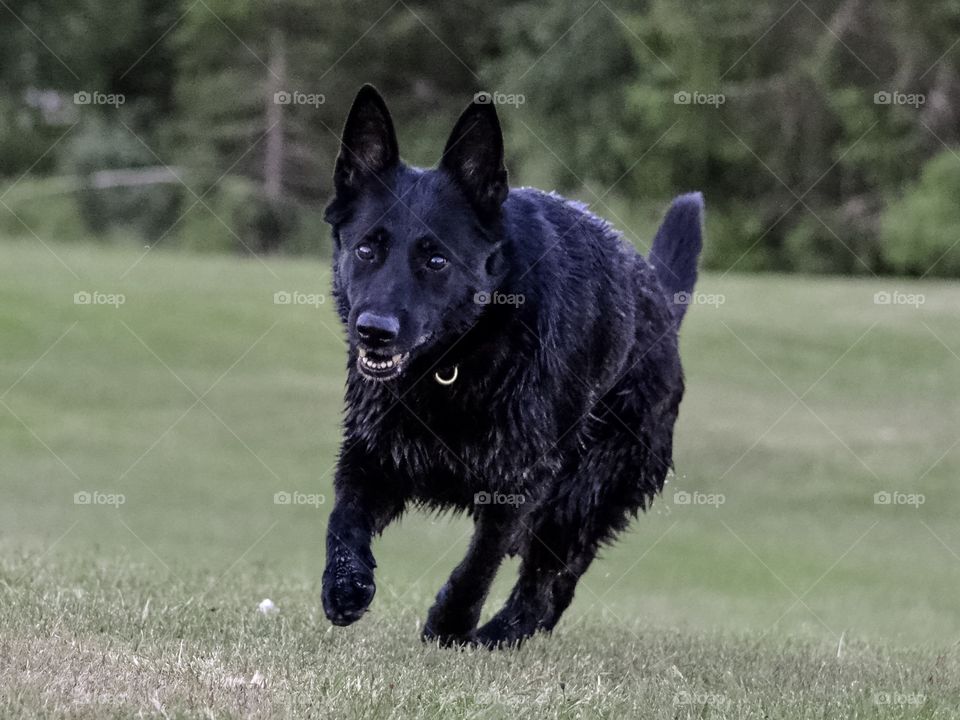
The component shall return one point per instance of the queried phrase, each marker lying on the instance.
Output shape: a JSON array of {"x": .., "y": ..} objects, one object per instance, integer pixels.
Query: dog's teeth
[{"x": 388, "y": 364}]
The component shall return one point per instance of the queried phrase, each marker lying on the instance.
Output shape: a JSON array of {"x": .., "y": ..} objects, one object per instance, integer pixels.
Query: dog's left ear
[{"x": 474, "y": 157}]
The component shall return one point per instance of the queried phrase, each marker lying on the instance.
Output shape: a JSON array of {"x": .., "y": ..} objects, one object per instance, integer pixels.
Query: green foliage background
[{"x": 803, "y": 169}]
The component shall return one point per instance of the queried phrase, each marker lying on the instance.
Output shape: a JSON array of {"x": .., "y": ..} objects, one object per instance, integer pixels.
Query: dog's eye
[
  {"x": 437, "y": 262},
  {"x": 365, "y": 252}
]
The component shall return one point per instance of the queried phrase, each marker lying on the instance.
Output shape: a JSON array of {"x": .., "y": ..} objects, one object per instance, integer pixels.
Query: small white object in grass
[{"x": 267, "y": 607}]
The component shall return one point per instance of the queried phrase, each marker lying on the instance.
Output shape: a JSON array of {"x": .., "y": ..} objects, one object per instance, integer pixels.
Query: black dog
[{"x": 510, "y": 355}]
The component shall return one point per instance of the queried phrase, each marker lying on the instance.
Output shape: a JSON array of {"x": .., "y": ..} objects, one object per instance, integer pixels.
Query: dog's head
[{"x": 415, "y": 251}]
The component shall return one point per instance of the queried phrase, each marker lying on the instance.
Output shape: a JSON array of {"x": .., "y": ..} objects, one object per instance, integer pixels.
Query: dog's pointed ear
[
  {"x": 368, "y": 144},
  {"x": 474, "y": 156}
]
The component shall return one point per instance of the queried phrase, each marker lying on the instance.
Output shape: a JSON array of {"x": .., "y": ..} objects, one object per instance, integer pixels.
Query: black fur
[{"x": 558, "y": 427}]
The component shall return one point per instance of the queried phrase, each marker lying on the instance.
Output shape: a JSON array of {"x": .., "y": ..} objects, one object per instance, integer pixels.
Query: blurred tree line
[{"x": 824, "y": 134}]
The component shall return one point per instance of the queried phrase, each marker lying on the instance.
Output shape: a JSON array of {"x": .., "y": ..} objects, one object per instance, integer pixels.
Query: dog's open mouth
[{"x": 380, "y": 367}]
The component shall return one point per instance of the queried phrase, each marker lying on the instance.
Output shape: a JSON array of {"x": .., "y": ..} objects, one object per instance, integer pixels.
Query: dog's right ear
[{"x": 368, "y": 144}]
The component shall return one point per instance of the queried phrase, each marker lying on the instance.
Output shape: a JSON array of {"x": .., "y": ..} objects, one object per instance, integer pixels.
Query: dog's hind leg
[
  {"x": 594, "y": 498},
  {"x": 557, "y": 552},
  {"x": 455, "y": 613}
]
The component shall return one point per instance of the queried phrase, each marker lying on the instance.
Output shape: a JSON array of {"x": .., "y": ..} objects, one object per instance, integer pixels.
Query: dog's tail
[{"x": 676, "y": 248}]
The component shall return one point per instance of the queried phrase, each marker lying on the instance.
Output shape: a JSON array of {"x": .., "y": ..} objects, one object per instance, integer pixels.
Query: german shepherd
[{"x": 510, "y": 356}]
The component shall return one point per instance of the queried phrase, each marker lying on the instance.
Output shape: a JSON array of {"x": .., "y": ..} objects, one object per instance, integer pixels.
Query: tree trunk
[{"x": 274, "y": 154}]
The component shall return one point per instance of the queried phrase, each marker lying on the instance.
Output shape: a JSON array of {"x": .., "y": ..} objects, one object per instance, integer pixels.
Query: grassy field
[{"x": 785, "y": 587}]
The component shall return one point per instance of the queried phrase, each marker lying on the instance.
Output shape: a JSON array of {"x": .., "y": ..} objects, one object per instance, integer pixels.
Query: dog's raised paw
[{"x": 347, "y": 595}]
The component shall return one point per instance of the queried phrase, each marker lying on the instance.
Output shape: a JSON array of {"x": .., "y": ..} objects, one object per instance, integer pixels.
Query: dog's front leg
[
  {"x": 456, "y": 611},
  {"x": 360, "y": 511}
]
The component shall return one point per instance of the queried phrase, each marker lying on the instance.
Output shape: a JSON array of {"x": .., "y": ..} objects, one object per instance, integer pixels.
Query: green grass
[{"x": 150, "y": 607}]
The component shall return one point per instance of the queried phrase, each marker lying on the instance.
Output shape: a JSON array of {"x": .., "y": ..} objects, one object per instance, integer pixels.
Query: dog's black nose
[{"x": 377, "y": 330}]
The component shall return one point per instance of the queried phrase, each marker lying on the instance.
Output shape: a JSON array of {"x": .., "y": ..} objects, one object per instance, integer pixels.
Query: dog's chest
[{"x": 450, "y": 446}]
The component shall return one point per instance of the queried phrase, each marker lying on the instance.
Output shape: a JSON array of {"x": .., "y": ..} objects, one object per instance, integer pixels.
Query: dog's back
[{"x": 606, "y": 319}]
